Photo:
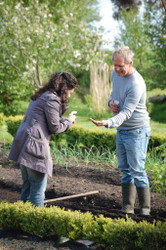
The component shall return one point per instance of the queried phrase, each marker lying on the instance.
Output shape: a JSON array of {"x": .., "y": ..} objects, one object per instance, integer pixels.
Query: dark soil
[{"x": 76, "y": 180}]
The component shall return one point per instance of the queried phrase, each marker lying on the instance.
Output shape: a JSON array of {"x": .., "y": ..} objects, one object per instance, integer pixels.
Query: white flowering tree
[{"x": 36, "y": 40}]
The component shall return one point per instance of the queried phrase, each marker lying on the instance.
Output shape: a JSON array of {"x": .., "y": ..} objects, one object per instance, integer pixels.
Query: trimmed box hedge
[
  {"x": 54, "y": 221},
  {"x": 84, "y": 137}
]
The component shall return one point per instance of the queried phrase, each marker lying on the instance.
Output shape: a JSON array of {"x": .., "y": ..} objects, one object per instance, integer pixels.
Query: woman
[{"x": 30, "y": 148}]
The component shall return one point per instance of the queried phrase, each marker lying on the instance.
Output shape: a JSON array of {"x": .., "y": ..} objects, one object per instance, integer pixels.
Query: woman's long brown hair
[{"x": 60, "y": 83}]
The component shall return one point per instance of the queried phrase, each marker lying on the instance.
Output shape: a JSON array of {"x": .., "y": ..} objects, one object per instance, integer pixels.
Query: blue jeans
[
  {"x": 34, "y": 186},
  {"x": 131, "y": 147}
]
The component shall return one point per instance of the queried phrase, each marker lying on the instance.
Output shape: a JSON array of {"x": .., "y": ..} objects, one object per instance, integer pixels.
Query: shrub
[
  {"x": 5, "y": 137},
  {"x": 158, "y": 112},
  {"x": 86, "y": 138},
  {"x": 161, "y": 150},
  {"x": 13, "y": 122},
  {"x": 156, "y": 167},
  {"x": 2, "y": 119},
  {"x": 128, "y": 234},
  {"x": 157, "y": 140},
  {"x": 111, "y": 233},
  {"x": 97, "y": 138}
]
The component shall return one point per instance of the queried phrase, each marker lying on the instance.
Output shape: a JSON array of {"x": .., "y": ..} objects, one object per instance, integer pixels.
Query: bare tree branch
[{"x": 164, "y": 5}]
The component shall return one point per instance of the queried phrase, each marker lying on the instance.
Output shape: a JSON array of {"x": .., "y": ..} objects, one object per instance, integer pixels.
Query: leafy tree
[
  {"x": 36, "y": 40},
  {"x": 155, "y": 29},
  {"x": 132, "y": 34},
  {"x": 145, "y": 36},
  {"x": 118, "y": 5}
]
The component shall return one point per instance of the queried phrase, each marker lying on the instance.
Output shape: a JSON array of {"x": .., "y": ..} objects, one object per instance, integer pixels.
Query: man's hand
[
  {"x": 99, "y": 123},
  {"x": 114, "y": 107},
  {"x": 72, "y": 116}
]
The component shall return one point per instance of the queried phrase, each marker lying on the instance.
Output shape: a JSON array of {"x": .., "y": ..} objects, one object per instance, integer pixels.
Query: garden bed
[{"x": 81, "y": 179}]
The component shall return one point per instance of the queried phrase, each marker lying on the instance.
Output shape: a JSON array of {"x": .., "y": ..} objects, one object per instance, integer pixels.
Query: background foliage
[
  {"x": 146, "y": 35},
  {"x": 40, "y": 37}
]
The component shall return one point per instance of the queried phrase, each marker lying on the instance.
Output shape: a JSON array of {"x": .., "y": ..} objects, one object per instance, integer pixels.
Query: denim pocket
[{"x": 148, "y": 133}]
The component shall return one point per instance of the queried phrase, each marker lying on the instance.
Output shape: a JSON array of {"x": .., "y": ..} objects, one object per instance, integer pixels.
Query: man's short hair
[{"x": 124, "y": 52}]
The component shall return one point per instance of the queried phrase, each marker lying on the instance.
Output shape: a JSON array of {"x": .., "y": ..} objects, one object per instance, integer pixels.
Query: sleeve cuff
[{"x": 110, "y": 123}]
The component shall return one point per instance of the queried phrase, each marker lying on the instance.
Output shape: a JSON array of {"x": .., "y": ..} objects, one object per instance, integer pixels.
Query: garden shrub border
[
  {"x": 54, "y": 221},
  {"x": 99, "y": 139},
  {"x": 84, "y": 137}
]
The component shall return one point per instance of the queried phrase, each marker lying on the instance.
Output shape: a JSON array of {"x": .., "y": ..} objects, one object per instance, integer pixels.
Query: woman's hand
[
  {"x": 99, "y": 123},
  {"x": 72, "y": 116},
  {"x": 113, "y": 106}
]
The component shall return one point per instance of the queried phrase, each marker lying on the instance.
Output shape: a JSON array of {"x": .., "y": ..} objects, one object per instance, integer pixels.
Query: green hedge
[
  {"x": 100, "y": 139},
  {"x": 84, "y": 137},
  {"x": 2, "y": 119},
  {"x": 157, "y": 140},
  {"x": 5, "y": 137},
  {"x": 13, "y": 122},
  {"x": 53, "y": 221}
]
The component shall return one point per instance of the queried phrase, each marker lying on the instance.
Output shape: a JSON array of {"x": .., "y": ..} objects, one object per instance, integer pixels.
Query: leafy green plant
[
  {"x": 5, "y": 137},
  {"x": 99, "y": 157},
  {"x": 13, "y": 123},
  {"x": 2, "y": 119},
  {"x": 111, "y": 233},
  {"x": 156, "y": 168},
  {"x": 36, "y": 34},
  {"x": 158, "y": 112}
]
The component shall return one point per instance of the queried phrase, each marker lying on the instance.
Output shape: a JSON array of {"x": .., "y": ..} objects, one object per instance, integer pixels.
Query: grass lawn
[{"x": 158, "y": 127}]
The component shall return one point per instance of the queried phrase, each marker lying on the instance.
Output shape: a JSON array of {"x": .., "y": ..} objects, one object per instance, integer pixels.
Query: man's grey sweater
[{"x": 130, "y": 91}]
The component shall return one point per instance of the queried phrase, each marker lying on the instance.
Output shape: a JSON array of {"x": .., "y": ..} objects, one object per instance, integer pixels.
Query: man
[{"x": 130, "y": 116}]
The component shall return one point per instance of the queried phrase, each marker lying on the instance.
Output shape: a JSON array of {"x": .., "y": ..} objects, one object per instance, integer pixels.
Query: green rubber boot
[
  {"x": 128, "y": 197},
  {"x": 144, "y": 200}
]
